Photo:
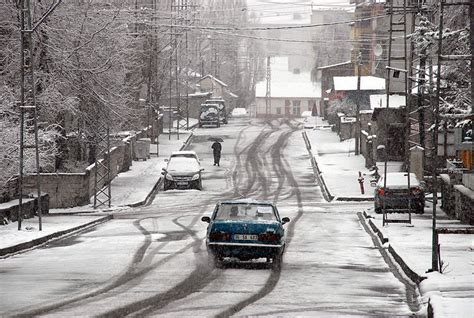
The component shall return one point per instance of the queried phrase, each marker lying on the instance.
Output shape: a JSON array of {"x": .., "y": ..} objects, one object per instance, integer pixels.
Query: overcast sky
[{"x": 289, "y": 11}]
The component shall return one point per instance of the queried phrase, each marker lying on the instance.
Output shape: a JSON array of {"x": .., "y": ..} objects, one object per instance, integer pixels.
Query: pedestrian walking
[{"x": 217, "y": 148}]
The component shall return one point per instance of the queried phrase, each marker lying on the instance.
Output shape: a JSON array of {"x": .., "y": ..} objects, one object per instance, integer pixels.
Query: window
[
  {"x": 296, "y": 107},
  {"x": 245, "y": 212}
]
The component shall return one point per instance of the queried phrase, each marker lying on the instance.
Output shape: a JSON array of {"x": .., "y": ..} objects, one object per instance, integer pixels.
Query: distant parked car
[
  {"x": 239, "y": 112},
  {"x": 245, "y": 229},
  {"x": 397, "y": 195},
  {"x": 182, "y": 173},
  {"x": 306, "y": 113}
]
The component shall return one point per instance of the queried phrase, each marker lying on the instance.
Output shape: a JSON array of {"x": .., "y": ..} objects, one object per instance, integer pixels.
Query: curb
[
  {"x": 324, "y": 189},
  {"x": 320, "y": 176},
  {"x": 359, "y": 199},
  {"x": 411, "y": 274},
  {"x": 41, "y": 240},
  {"x": 187, "y": 142}
]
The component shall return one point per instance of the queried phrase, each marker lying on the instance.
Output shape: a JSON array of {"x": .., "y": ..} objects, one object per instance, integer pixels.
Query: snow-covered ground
[
  {"x": 127, "y": 189},
  {"x": 330, "y": 267},
  {"x": 10, "y": 236},
  {"x": 337, "y": 162},
  {"x": 451, "y": 293}
]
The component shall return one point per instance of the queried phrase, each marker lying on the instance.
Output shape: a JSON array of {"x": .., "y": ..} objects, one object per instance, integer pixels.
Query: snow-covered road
[{"x": 152, "y": 261}]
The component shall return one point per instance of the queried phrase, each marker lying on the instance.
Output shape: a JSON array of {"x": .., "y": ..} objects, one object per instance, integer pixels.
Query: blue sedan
[{"x": 245, "y": 229}]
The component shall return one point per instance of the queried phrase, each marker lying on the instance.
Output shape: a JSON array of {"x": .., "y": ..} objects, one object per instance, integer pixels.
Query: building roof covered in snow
[
  {"x": 334, "y": 65},
  {"x": 214, "y": 79},
  {"x": 349, "y": 83}
]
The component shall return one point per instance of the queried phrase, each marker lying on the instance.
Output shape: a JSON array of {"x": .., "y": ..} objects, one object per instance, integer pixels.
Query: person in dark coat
[{"x": 217, "y": 148}]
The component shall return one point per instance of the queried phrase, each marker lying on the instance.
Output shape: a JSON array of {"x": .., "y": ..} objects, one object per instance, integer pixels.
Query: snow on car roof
[
  {"x": 400, "y": 180},
  {"x": 183, "y": 163}
]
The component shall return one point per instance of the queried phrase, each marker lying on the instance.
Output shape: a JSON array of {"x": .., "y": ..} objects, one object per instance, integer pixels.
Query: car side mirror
[
  {"x": 285, "y": 220},
  {"x": 202, "y": 169},
  {"x": 164, "y": 169},
  {"x": 206, "y": 219}
]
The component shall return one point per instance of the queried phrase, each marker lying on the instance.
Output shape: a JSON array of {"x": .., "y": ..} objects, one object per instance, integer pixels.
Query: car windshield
[
  {"x": 209, "y": 107},
  {"x": 258, "y": 212}
]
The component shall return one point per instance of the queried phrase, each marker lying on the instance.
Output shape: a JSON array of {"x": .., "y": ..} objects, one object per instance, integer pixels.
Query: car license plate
[
  {"x": 182, "y": 183},
  {"x": 245, "y": 237}
]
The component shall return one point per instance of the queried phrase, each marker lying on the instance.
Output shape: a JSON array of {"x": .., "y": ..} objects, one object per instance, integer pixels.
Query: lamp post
[{"x": 357, "y": 132}]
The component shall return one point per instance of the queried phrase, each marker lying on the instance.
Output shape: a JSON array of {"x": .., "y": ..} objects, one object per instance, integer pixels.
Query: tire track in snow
[
  {"x": 276, "y": 273},
  {"x": 133, "y": 274}
]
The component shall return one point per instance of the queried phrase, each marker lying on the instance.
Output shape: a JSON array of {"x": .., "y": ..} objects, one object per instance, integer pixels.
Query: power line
[{"x": 287, "y": 27}]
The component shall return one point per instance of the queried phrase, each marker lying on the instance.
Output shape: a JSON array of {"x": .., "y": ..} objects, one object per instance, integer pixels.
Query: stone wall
[
  {"x": 464, "y": 204},
  {"x": 65, "y": 189},
  {"x": 347, "y": 130},
  {"x": 447, "y": 195},
  {"x": 75, "y": 189},
  {"x": 457, "y": 200},
  {"x": 9, "y": 211},
  {"x": 9, "y": 190}
]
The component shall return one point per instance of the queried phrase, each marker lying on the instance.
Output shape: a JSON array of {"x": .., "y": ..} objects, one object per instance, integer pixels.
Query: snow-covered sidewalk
[
  {"x": 337, "y": 163},
  {"x": 128, "y": 189},
  {"x": 450, "y": 294}
]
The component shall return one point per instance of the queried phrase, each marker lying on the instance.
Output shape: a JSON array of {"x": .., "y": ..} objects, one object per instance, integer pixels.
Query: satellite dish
[{"x": 378, "y": 50}]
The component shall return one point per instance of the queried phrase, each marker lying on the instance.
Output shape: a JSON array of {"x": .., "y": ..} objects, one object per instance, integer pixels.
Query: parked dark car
[
  {"x": 245, "y": 229},
  {"x": 182, "y": 173},
  {"x": 222, "y": 108},
  {"x": 210, "y": 115},
  {"x": 397, "y": 195}
]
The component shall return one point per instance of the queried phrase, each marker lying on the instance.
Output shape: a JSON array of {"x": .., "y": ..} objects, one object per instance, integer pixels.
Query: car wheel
[
  {"x": 199, "y": 185},
  {"x": 378, "y": 210},
  {"x": 276, "y": 263},
  {"x": 420, "y": 210},
  {"x": 214, "y": 260}
]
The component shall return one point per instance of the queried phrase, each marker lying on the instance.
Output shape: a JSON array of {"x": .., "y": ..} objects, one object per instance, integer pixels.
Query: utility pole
[
  {"x": 441, "y": 59},
  {"x": 358, "y": 126},
  {"x": 268, "y": 95},
  {"x": 28, "y": 109},
  {"x": 173, "y": 66}
]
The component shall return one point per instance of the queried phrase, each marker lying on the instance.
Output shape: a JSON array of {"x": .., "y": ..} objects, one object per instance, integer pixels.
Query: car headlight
[
  {"x": 195, "y": 177},
  {"x": 169, "y": 177}
]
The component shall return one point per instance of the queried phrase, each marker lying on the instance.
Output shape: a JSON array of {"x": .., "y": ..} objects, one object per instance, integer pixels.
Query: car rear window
[{"x": 245, "y": 212}]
